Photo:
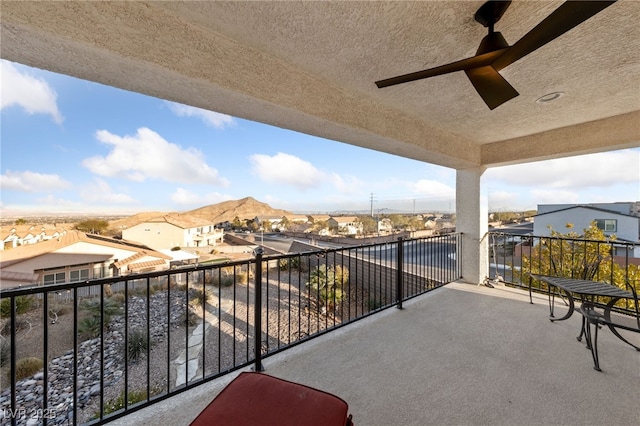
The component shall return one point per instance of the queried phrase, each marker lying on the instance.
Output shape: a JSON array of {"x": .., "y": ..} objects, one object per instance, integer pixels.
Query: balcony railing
[
  {"x": 94, "y": 351},
  {"x": 515, "y": 257}
]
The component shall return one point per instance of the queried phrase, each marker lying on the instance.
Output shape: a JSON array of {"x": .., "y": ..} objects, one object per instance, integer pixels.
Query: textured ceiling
[{"x": 311, "y": 67}]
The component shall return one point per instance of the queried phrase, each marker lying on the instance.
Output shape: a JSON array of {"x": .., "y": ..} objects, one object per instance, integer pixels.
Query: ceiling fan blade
[
  {"x": 491, "y": 86},
  {"x": 464, "y": 64},
  {"x": 569, "y": 15}
]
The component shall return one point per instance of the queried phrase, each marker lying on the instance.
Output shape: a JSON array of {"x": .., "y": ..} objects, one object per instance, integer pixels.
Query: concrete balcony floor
[{"x": 460, "y": 355}]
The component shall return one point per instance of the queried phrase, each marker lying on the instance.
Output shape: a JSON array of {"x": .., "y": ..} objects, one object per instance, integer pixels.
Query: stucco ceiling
[{"x": 311, "y": 67}]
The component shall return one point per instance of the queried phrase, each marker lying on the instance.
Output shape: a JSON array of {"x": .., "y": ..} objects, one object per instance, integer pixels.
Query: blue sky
[{"x": 72, "y": 146}]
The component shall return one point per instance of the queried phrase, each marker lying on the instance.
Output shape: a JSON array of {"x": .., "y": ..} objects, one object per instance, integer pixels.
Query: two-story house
[
  {"x": 347, "y": 225},
  {"x": 174, "y": 231},
  {"x": 20, "y": 235},
  {"x": 617, "y": 219}
]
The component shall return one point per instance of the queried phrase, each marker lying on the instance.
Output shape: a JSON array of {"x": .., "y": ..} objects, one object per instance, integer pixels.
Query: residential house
[
  {"x": 20, "y": 235},
  {"x": 313, "y": 218},
  {"x": 385, "y": 225},
  {"x": 348, "y": 225},
  {"x": 613, "y": 218},
  {"x": 76, "y": 256},
  {"x": 174, "y": 231},
  {"x": 297, "y": 218},
  {"x": 272, "y": 221}
]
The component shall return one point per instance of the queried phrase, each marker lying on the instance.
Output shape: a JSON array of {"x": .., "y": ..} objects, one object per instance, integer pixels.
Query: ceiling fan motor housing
[{"x": 492, "y": 42}]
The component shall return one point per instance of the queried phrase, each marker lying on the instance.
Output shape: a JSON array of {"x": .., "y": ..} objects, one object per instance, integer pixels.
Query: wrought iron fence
[
  {"x": 515, "y": 257},
  {"x": 91, "y": 352}
]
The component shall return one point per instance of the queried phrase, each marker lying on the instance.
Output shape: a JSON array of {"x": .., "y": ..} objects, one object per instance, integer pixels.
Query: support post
[
  {"x": 400, "y": 272},
  {"x": 257, "y": 311}
]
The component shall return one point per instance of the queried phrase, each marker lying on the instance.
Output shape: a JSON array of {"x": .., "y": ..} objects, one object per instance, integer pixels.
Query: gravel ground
[{"x": 293, "y": 314}]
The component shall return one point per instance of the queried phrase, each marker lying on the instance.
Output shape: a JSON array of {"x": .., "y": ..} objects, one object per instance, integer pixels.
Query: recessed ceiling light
[{"x": 549, "y": 97}]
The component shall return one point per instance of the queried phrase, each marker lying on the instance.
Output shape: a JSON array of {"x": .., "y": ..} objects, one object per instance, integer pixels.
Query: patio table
[{"x": 587, "y": 291}]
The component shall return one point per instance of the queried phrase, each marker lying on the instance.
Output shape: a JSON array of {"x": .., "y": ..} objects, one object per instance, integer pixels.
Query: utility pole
[{"x": 371, "y": 204}]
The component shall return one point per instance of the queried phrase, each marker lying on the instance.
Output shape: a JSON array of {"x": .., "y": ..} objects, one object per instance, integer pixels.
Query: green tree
[
  {"x": 252, "y": 225},
  {"x": 21, "y": 221},
  {"x": 319, "y": 225},
  {"x": 284, "y": 223},
  {"x": 415, "y": 224},
  {"x": 237, "y": 223},
  {"x": 328, "y": 284},
  {"x": 585, "y": 256},
  {"x": 399, "y": 221},
  {"x": 369, "y": 225},
  {"x": 92, "y": 226}
]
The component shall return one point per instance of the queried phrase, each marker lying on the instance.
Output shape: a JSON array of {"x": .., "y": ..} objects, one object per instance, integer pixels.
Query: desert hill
[
  {"x": 137, "y": 218},
  {"x": 245, "y": 208}
]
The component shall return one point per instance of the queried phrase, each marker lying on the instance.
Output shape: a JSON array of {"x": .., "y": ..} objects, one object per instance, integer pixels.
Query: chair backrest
[{"x": 631, "y": 286}]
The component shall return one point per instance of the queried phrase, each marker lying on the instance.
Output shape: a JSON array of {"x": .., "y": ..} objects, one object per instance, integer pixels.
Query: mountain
[
  {"x": 245, "y": 208},
  {"x": 137, "y": 218}
]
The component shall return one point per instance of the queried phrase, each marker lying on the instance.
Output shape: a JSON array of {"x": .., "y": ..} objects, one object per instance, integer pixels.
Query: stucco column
[{"x": 472, "y": 221}]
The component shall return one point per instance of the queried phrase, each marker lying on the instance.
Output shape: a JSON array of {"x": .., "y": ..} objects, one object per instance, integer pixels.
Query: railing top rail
[
  {"x": 37, "y": 289},
  {"x": 550, "y": 237}
]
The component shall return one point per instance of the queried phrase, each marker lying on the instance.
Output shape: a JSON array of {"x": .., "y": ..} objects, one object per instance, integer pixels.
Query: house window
[
  {"x": 607, "y": 225},
  {"x": 56, "y": 278},
  {"x": 78, "y": 275}
]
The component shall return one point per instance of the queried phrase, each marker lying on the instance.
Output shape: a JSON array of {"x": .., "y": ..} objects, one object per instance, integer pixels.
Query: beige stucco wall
[{"x": 157, "y": 235}]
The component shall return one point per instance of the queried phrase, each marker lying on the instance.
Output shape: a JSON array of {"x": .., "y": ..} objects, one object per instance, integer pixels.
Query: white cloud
[
  {"x": 32, "y": 94},
  {"x": 593, "y": 170},
  {"x": 189, "y": 198},
  {"x": 551, "y": 196},
  {"x": 211, "y": 118},
  {"x": 499, "y": 200},
  {"x": 287, "y": 169},
  {"x": 346, "y": 184},
  {"x": 28, "y": 181},
  {"x": 52, "y": 203},
  {"x": 433, "y": 189},
  {"x": 146, "y": 155},
  {"x": 99, "y": 191}
]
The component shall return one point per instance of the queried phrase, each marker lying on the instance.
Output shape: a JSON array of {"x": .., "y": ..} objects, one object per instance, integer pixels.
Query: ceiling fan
[{"x": 495, "y": 53}]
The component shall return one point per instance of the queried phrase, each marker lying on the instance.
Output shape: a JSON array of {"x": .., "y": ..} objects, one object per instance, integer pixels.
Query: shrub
[
  {"x": 92, "y": 306},
  {"x": 289, "y": 264},
  {"x": 225, "y": 277},
  {"x": 23, "y": 304},
  {"x": 117, "y": 404},
  {"x": 198, "y": 296},
  {"x": 137, "y": 344},
  {"x": 327, "y": 284},
  {"x": 156, "y": 288},
  {"x": 107, "y": 290},
  {"x": 27, "y": 367},
  {"x": 190, "y": 318},
  {"x": 227, "y": 281},
  {"x": 375, "y": 304},
  {"x": 241, "y": 278},
  {"x": 21, "y": 324},
  {"x": 60, "y": 310},
  {"x": 5, "y": 352},
  {"x": 118, "y": 298},
  {"x": 89, "y": 327}
]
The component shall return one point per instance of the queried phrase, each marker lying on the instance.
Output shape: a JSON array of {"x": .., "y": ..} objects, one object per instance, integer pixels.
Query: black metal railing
[
  {"x": 515, "y": 257},
  {"x": 91, "y": 352}
]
